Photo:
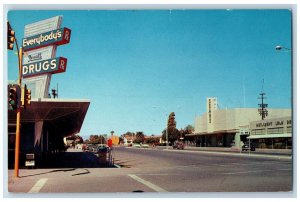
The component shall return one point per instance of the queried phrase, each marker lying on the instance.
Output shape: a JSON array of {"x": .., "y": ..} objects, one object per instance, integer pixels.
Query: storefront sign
[
  {"x": 55, "y": 37},
  {"x": 53, "y": 66},
  {"x": 273, "y": 123}
]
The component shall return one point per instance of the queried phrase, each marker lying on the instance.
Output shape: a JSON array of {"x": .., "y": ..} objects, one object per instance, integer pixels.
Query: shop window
[
  {"x": 258, "y": 132},
  {"x": 275, "y": 130},
  {"x": 289, "y": 129}
]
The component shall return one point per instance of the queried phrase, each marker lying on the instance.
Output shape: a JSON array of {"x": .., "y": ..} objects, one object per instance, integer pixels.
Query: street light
[{"x": 279, "y": 47}]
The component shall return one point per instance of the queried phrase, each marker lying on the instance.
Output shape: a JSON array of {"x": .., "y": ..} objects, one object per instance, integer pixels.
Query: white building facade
[{"x": 228, "y": 127}]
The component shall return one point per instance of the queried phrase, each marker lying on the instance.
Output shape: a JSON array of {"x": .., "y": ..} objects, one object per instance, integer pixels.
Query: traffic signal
[
  {"x": 14, "y": 96},
  {"x": 26, "y": 96},
  {"x": 10, "y": 37}
]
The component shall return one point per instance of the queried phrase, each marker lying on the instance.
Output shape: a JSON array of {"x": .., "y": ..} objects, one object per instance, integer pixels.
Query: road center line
[
  {"x": 38, "y": 185},
  {"x": 147, "y": 183}
]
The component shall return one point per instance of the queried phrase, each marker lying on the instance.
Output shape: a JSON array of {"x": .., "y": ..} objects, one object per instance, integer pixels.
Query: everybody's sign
[
  {"x": 54, "y": 37},
  {"x": 54, "y": 65}
]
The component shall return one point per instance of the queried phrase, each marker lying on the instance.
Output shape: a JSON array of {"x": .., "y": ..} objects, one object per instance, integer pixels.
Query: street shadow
[
  {"x": 52, "y": 171},
  {"x": 72, "y": 160},
  {"x": 83, "y": 173},
  {"x": 138, "y": 191}
]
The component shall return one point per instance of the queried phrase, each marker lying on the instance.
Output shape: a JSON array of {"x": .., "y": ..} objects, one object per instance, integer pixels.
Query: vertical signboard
[
  {"x": 211, "y": 106},
  {"x": 40, "y": 84}
]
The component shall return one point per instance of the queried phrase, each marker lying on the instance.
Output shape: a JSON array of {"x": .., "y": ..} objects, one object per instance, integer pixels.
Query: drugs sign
[
  {"x": 53, "y": 66},
  {"x": 54, "y": 37}
]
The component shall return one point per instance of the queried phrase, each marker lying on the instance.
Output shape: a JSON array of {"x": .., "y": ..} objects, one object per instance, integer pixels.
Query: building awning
[
  {"x": 270, "y": 136},
  {"x": 66, "y": 116},
  {"x": 213, "y": 133}
]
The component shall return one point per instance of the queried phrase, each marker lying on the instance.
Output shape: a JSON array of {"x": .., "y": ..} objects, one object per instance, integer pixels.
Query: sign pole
[{"x": 17, "y": 146}]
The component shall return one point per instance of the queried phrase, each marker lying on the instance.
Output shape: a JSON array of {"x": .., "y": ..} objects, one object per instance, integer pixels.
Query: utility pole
[
  {"x": 17, "y": 146},
  {"x": 263, "y": 112},
  {"x": 11, "y": 39},
  {"x": 25, "y": 97}
]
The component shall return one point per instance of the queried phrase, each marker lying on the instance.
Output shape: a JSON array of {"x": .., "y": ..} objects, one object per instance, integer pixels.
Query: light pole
[
  {"x": 11, "y": 39},
  {"x": 279, "y": 47},
  {"x": 285, "y": 49}
]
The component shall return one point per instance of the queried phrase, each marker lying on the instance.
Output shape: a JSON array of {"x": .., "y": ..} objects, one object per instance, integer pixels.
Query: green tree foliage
[
  {"x": 96, "y": 139},
  {"x": 139, "y": 137},
  {"x": 152, "y": 140},
  {"x": 189, "y": 129},
  {"x": 171, "y": 121},
  {"x": 173, "y": 135},
  {"x": 129, "y": 134},
  {"x": 173, "y": 132}
]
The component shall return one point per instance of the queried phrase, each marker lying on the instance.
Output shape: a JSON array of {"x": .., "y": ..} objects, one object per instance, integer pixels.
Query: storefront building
[
  {"x": 272, "y": 133},
  {"x": 227, "y": 127},
  {"x": 46, "y": 121}
]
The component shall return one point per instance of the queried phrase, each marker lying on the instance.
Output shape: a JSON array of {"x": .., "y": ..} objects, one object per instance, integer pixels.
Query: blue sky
[{"x": 137, "y": 66}]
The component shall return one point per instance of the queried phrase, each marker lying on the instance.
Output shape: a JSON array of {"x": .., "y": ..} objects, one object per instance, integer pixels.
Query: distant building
[
  {"x": 230, "y": 127},
  {"x": 129, "y": 138}
]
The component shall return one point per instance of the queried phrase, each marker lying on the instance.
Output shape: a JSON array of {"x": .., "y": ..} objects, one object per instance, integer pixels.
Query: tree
[
  {"x": 189, "y": 129},
  {"x": 152, "y": 140},
  {"x": 139, "y": 137},
  {"x": 96, "y": 139},
  {"x": 171, "y": 121},
  {"x": 173, "y": 135},
  {"x": 173, "y": 132}
]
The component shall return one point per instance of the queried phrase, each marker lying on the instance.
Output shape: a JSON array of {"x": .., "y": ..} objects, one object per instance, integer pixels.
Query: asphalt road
[
  {"x": 151, "y": 170},
  {"x": 189, "y": 171}
]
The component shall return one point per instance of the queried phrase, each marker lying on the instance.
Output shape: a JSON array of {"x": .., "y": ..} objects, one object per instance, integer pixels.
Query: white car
[
  {"x": 136, "y": 145},
  {"x": 145, "y": 146}
]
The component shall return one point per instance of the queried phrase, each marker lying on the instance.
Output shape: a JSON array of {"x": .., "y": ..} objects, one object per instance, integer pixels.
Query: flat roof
[{"x": 65, "y": 115}]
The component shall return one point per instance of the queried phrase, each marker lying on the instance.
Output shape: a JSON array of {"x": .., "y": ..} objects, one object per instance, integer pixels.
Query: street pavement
[{"x": 159, "y": 170}]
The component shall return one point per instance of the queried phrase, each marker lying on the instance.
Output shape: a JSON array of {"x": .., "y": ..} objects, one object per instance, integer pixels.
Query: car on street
[
  {"x": 92, "y": 148},
  {"x": 102, "y": 148},
  {"x": 136, "y": 145},
  {"x": 247, "y": 147},
  {"x": 178, "y": 145},
  {"x": 145, "y": 146}
]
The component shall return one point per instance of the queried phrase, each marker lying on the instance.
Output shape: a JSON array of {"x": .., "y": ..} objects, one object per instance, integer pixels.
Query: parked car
[
  {"x": 92, "y": 149},
  {"x": 246, "y": 147},
  {"x": 178, "y": 145},
  {"x": 145, "y": 146},
  {"x": 102, "y": 148},
  {"x": 136, "y": 145}
]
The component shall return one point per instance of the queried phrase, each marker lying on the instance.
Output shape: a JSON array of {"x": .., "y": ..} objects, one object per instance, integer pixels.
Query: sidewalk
[{"x": 287, "y": 152}]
